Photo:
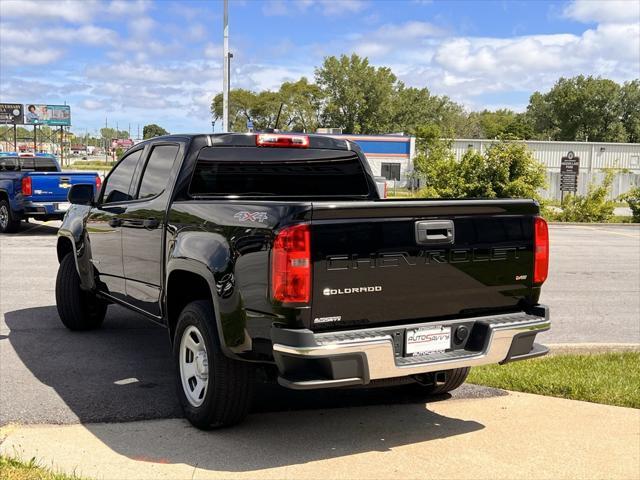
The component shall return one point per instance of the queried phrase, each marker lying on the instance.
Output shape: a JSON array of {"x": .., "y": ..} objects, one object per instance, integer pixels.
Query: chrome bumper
[{"x": 374, "y": 349}]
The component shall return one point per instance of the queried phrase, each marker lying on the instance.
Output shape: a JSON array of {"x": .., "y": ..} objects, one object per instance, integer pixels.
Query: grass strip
[
  {"x": 607, "y": 378},
  {"x": 12, "y": 469}
]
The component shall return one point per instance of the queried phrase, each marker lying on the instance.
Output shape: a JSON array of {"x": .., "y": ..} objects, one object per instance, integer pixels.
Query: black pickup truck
[{"x": 275, "y": 250}]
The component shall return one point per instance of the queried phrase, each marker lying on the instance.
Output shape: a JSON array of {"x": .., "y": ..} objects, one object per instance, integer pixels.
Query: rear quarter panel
[{"x": 229, "y": 241}]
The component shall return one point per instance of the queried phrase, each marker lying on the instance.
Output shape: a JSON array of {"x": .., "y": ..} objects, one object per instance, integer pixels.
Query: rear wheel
[
  {"x": 445, "y": 381},
  {"x": 8, "y": 222},
  {"x": 78, "y": 309},
  {"x": 214, "y": 390}
]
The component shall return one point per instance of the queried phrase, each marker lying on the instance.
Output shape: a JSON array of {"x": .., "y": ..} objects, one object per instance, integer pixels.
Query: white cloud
[
  {"x": 609, "y": 11},
  {"x": 325, "y": 7},
  {"x": 212, "y": 50},
  {"x": 86, "y": 34},
  {"x": 91, "y": 104},
  {"x": 466, "y": 67},
  {"x": 68, "y": 10},
  {"x": 128, "y": 7},
  {"x": 72, "y": 11},
  {"x": 338, "y": 7},
  {"x": 396, "y": 38},
  {"x": 20, "y": 56}
]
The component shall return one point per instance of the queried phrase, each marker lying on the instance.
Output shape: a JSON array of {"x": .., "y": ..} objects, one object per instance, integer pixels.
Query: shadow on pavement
[
  {"x": 124, "y": 372},
  {"x": 28, "y": 229}
]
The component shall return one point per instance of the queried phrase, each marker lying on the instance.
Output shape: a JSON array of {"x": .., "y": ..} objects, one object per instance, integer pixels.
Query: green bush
[
  {"x": 632, "y": 197},
  {"x": 506, "y": 169},
  {"x": 592, "y": 207}
]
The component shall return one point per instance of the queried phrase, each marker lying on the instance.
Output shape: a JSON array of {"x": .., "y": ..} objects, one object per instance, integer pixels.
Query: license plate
[
  {"x": 426, "y": 340},
  {"x": 64, "y": 206}
]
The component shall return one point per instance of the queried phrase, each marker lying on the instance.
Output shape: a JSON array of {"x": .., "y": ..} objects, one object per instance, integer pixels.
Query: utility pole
[
  {"x": 225, "y": 69},
  {"x": 106, "y": 154}
]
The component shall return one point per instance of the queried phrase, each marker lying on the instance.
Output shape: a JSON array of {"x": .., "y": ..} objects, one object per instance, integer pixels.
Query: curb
[
  {"x": 589, "y": 224},
  {"x": 564, "y": 348}
]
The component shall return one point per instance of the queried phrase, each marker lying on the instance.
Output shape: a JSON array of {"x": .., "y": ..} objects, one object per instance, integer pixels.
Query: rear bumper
[
  {"x": 308, "y": 360},
  {"x": 44, "y": 209}
]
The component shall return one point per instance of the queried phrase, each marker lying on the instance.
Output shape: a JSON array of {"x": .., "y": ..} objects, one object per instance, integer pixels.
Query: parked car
[
  {"x": 34, "y": 186},
  {"x": 275, "y": 250}
]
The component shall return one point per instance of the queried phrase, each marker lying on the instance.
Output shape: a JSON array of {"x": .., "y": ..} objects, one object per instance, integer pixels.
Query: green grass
[
  {"x": 608, "y": 378},
  {"x": 11, "y": 469}
]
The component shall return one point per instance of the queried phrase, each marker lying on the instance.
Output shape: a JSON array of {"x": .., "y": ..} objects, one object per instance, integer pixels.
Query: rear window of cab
[{"x": 278, "y": 172}]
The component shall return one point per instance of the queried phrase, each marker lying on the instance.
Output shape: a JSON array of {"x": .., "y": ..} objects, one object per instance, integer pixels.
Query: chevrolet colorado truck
[
  {"x": 275, "y": 250},
  {"x": 34, "y": 186}
]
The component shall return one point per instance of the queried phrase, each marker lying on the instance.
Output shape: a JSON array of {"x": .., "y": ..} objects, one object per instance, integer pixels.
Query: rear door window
[
  {"x": 246, "y": 171},
  {"x": 156, "y": 173}
]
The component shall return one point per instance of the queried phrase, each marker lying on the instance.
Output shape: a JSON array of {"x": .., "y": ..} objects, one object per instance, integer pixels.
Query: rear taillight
[
  {"x": 291, "y": 265},
  {"x": 541, "y": 250},
  {"x": 282, "y": 140},
  {"x": 27, "y": 188},
  {"x": 98, "y": 183},
  {"x": 385, "y": 189}
]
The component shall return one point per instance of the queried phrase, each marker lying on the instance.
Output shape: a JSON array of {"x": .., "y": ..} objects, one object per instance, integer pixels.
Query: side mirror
[{"x": 81, "y": 194}]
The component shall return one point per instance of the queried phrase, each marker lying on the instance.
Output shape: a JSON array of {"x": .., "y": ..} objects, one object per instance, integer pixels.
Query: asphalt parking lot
[
  {"x": 93, "y": 382},
  {"x": 123, "y": 372}
]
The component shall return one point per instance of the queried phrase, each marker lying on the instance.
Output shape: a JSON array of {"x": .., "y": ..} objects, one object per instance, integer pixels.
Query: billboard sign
[
  {"x": 121, "y": 143},
  {"x": 569, "y": 169},
  {"x": 52, "y": 115},
  {"x": 11, "y": 113}
]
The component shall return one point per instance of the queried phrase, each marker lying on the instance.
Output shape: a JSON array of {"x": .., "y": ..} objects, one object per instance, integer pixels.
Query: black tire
[
  {"x": 453, "y": 379},
  {"x": 78, "y": 309},
  {"x": 229, "y": 382},
  {"x": 8, "y": 221}
]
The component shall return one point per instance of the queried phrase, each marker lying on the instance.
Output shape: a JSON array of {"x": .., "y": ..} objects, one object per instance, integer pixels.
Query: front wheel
[
  {"x": 8, "y": 222},
  {"x": 214, "y": 390},
  {"x": 78, "y": 309}
]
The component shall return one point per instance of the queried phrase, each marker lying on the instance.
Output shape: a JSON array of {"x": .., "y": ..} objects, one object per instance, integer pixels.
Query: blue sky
[{"x": 137, "y": 62}]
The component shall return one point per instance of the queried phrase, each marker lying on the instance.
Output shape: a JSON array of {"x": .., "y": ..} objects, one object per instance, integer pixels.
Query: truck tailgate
[
  {"x": 54, "y": 186},
  {"x": 383, "y": 262}
]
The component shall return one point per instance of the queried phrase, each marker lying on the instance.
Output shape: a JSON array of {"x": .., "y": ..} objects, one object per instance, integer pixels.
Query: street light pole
[{"x": 225, "y": 69}]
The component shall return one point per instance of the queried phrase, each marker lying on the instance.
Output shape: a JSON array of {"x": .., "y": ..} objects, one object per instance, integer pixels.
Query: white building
[{"x": 595, "y": 158}]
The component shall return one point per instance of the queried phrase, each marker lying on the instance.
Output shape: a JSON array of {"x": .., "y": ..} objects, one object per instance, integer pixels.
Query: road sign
[
  {"x": 569, "y": 169},
  {"x": 11, "y": 113}
]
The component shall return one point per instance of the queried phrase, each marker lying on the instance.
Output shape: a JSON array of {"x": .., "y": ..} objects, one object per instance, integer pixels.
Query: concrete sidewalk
[{"x": 513, "y": 436}]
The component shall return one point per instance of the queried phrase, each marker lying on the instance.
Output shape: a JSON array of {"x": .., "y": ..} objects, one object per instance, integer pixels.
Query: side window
[
  {"x": 117, "y": 185},
  {"x": 156, "y": 173}
]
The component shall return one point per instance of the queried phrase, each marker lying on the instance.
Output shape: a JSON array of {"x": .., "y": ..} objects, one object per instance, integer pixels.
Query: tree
[
  {"x": 302, "y": 105},
  {"x": 416, "y": 107},
  {"x": 153, "y": 130},
  {"x": 579, "y": 108},
  {"x": 502, "y": 123},
  {"x": 358, "y": 96},
  {"x": 630, "y": 101},
  {"x": 244, "y": 105},
  {"x": 111, "y": 133}
]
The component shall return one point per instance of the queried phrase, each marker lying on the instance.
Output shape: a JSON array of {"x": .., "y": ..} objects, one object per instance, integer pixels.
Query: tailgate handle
[{"x": 434, "y": 232}]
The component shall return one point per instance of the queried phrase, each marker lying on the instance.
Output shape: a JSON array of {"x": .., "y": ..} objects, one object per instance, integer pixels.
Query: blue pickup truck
[{"x": 34, "y": 186}]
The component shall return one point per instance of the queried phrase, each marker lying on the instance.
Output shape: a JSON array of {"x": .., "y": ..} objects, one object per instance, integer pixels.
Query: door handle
[
  {"x": 115, "y": 222},
  {"x": 434, "y": 232}
]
